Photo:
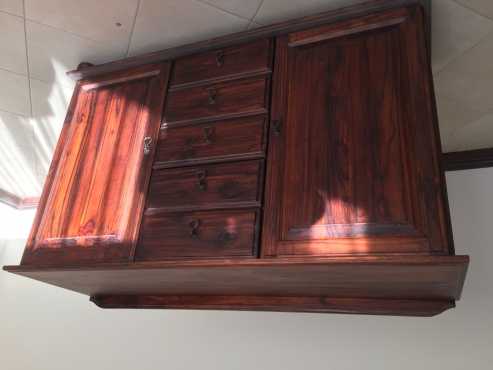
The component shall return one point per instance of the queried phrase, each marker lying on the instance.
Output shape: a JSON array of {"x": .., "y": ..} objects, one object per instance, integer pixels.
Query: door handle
[{"x": 147, "y": 145}]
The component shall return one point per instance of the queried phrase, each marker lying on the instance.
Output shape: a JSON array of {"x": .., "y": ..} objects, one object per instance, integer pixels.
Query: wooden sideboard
[{"x": 295, "y": 167}]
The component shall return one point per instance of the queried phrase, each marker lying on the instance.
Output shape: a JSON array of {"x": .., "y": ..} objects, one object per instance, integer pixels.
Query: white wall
[{"x": 43, "y": 327}]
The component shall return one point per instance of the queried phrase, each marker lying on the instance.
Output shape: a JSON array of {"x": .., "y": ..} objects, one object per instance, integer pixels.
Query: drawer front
[
  {"x": 211, "y": 186},
  {"x": 197, "y": 234},
  {"x": 212, "y": 141},
  {"x": 233, "y": 97},
  {"x": 252, "y": 57}
]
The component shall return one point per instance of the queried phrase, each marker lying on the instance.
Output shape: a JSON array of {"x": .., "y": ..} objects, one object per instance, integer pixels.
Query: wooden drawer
[
  {"x": 198, "y": 234},
  {"x": 233, "y": 97},
  {"x": 227, "y": 139},
  {"x": 211, "y": 186},
  {"x": 253, "y": 57}
]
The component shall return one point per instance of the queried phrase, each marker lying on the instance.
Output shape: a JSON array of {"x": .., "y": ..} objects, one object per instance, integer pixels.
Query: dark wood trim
[
  {"x": 233, "y": 77},
  {"x": 17, "y": 201},
  {"x": 207, "y": 207},
  {"x": 223, "y": 117},
  {"x": 371, "y": 6},
  {"x": 321, "y": 304},
  {"x": 382, "y": 260},
  {"x": 260, "y": 112},
  {"x": 199, "y": 161},
  {"x": 391, "y": 285},
  {"x": 467, "y": 160},
  {"x": 121, "y": 79},
  {"x": 331, "y": 31}
]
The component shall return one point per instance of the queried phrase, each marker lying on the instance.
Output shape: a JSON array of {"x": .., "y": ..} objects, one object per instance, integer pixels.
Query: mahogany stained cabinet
[{"x": 294, "y": 167}]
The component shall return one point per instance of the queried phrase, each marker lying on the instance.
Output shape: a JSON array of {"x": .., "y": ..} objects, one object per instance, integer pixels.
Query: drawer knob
[
  {"x": 208, "y": 133},
  {"x": 202, "y": 179},
  {"x": 212, "y": 95},
  {"x": 194, "y": 225},
  {"x": 147, "y": 145},
  {"x": 276, "y": 126},
  {"x": 226, "y": 236},
  {"x": 220, "y": 58}
]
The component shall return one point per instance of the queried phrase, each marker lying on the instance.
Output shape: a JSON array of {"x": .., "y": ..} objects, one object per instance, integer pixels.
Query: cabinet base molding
[
  {"x": 393, "y": 285},
  {"x": 397, "y": 307}
]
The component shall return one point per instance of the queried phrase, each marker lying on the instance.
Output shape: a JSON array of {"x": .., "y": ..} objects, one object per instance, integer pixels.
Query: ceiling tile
[
  {"x": 12, "y": 7},
  {"x": 15, "y": 130},
  {"x": 163, "y": 24},
  {"x": 17, "y": 173},
  {"x": 13, "y": 43},
  {"x": 14, "y": 93},
  {"x": 50, "y": 102},
  {"x": 243, "y": 8},
  {"x": 52, "y": 52},
  {"x": 484, "y": 7},
  {"x": 278, "y": 10},
  {"x": 253, "y": 25},
  {"x": 452, "y": 116},
  {"x": 454, "y": 30},
  {"x": 476, "y": 135},
  {"x": 92, "y": 19},
  {"x": 467, "y": 79}
]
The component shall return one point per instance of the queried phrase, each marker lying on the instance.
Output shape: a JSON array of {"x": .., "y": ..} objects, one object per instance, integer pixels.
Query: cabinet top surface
[{"x": 332, "y": 16}]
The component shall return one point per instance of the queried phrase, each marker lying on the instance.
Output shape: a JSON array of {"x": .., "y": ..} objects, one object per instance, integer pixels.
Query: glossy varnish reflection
[
  {"x": 99, "y": 183},
  {"x": 353, "y": 103},
  {"x": 203, "y": 234},
  {"x": 157, "y": 197},
  {"x": 211, "y": 141},
  {"x": 214, "y": 185}
]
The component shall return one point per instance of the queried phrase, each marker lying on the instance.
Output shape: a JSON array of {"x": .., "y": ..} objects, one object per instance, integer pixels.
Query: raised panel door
[{"x": 352, "y": 163}]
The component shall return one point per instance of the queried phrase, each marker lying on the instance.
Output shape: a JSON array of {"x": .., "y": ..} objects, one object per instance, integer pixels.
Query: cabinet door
[
  {"x": 93, "y": 199},
  {"x": 353, "y": 162}
]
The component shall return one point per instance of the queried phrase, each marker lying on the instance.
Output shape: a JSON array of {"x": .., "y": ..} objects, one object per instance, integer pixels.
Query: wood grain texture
[
  {"x": 96, "y": 193},
  {"x": 218, "y": 99},
  {"x": 207, "y": 186},
  {"x": 393, "y": 307},
  {"x": 355, "y": 222},
  {"x": 353, "y": 169},
  {"x": 382, "y": 277},
  {"x": 199, "y": 234},
  {"x": 211, "y": 141},
  {"x": 253, "y": 57},
  {"x": 291, "y": 25}
]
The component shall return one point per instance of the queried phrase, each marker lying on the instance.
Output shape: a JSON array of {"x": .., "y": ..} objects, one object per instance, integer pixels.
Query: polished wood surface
[
  {"x": 197, "y": 234},
  {"x": 99, "y": 184},
  {"x": 322, "y": 304},
  {"x": 254, "y": 57},
  {"x": 418, "y": 278},
  {"x": 218, "y": 99},
  {"x": 352, "y": 167},
  {"x": 211, "y": 141},
  {"x": 208, "y": 186},
  {"x": 354, "y": 216}
]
